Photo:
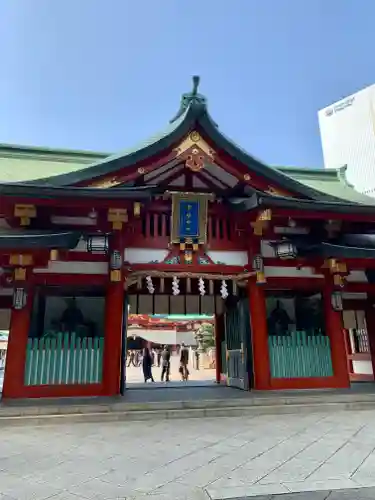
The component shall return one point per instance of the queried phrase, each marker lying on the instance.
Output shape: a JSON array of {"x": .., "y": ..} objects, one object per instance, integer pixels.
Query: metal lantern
[
  {"x": 19, "y": 298},
  {"x": 116, "y": 260},
  {"x": 97, "y": 243},
  {"x": 258, "y": 263},
  {"x": 336, "y": 301},
  {"x": 286, "y": 250}
]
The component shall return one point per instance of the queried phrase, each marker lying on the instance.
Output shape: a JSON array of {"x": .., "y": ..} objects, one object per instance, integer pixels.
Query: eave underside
[{"x": 30, "y": 239}]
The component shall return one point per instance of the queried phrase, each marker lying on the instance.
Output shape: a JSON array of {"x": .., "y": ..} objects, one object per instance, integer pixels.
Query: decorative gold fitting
[
  {"x": 260, "y": 277},
  {"x": 137, "y": 209},
  {"x": 266, "y": 215},
  {"x": 20, "y": 274},
  {"x": 188, "y": 256},
  {"x": 25, "y": 221},
  {"x": 182, "y": 246},
  {"x": 115, "y": 275},
  {"x": 25, "y": 211},
  {"x": 338, "y": 280},
  {"x": 258, "y": 227},
  {"x": 53, "y": 254},
  {"x": 117, "y": 215},
  {"x": 20, "y": 260}
]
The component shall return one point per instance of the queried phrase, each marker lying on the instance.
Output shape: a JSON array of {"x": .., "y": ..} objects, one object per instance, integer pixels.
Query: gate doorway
[{"x": 207, "y": 318}]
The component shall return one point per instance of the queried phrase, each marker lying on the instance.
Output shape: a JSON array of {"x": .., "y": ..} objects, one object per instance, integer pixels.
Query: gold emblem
[
  {"x": 195, "y": 161},
  {"x": 194, "y": 136},
  {"x": 247, "y": 177}
]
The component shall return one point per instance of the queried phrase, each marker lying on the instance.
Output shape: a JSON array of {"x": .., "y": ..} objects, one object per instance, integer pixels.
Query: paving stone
[
  {"x": 355, "y": 494},
  {"x": 187, "y": 459}
]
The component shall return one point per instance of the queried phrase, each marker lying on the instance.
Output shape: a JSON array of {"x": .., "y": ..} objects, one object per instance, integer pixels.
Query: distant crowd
[{"x": 160, "y": 357}]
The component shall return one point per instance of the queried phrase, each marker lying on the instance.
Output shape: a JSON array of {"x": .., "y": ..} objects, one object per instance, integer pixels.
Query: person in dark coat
[
  {"x": 166, "y": 363},
  {"x": 147, "y": 365},
  {"x": 184, "y": 360}
]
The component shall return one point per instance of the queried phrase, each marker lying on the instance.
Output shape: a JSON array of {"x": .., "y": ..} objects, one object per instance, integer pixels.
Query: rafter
[
  {"x": 207, "y": 182},
  {"x": 173, "y": 164},
  {"x": 172, "y": 177},
  {"x": 215, "y": 179}
]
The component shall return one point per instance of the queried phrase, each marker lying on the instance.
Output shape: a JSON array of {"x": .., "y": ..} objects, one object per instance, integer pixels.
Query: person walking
[
  {"x": 131, "y": 356},
  {"x": 165, "y": 363},
  {"x": 158, "y": 355},
  {"x": 184, "y": 360},
  {"x": 147, "y": 365}
]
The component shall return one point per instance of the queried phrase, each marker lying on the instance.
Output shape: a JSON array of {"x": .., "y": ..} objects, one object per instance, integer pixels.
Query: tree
[{"x": 205, "y": 336}]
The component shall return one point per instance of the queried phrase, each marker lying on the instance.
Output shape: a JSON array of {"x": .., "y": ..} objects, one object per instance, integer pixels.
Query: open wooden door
[{"x": 238, "y": 342}]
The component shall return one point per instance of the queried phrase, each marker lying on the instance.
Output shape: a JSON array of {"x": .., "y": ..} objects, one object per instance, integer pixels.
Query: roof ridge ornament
[{"x": 189, "y": 98}]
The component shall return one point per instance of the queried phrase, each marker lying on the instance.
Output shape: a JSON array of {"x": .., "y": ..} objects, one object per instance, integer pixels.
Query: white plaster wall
[
  {"x": 363, "y": 367},
  {"x": 229, "y": 258},
  {"x": 357, "y": 276},
  {"x": 73, "y": 221},
  {"x": 290, "y": 272},
  {"x": 61, "y": 267},
  {"x": 81, "y": 247},
  {"x": 354, "y": 296},
  {"x": 266, "y": 249},
  {"x": 144, "y": 255}
]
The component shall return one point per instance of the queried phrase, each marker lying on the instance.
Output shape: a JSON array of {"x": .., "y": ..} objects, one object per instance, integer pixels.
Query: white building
[{"x": 347, "y": 130}]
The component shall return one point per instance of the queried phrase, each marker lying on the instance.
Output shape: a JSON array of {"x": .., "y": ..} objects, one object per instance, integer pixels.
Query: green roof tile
[
  {"x": 330, "y": 181},
  {"x": 24, "y": 163}
]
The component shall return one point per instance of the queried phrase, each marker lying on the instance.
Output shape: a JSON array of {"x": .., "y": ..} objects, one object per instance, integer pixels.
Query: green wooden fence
[
  {"x": 64, "y": 359},
  {"x": 223, "y": 349},
  {"x": 300, "y": 355}
]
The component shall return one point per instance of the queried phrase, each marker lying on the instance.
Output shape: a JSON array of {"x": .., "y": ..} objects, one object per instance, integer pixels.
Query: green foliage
[{"x": 205, "y": 335}]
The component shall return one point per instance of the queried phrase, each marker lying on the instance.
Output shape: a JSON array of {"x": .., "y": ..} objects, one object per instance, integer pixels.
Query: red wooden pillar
[
  {"x": 259, "y": 336},
  {"x": 370, "y": 324},
  {"x": 16, "y": 353},
  {"x": 114, "y": 309},
  {"x": 218, "y": 337},
  {"x": 335, "y": 331}
]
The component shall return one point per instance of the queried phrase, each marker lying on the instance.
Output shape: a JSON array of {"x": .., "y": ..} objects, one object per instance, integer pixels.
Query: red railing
[{"x": 153, "y": 230}]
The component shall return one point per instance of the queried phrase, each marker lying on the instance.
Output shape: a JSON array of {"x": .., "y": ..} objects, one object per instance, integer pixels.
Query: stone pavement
[
  {"x": 191, "y": 459},
  {"x": 353, "y": 494},
  {"x": 135, "y": 375}
]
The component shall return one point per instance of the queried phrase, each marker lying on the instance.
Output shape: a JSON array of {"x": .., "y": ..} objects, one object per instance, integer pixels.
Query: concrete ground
[{"x": 192, "y": 459}]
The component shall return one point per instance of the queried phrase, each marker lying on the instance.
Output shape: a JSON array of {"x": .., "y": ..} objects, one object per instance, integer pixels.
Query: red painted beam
[
  {"x": 201, "y": 269},
  {"x": 70, "y": 279}
]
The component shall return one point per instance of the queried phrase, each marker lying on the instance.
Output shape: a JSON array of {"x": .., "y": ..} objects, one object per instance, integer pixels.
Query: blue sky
[{"x": 105, "y": 74}]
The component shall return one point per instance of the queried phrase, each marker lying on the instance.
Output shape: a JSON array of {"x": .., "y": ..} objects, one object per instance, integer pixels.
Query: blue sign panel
[{"x": 189, "y": 219}]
